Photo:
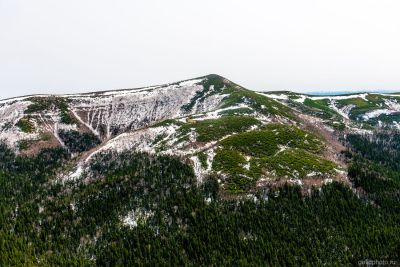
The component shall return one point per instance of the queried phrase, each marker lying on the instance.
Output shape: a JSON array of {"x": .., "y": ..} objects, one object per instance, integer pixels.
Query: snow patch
[
  {"x": 391, "y": 107},
  {"x": 191, "y": 82},
  {"x": 10, "y": 113},
  {"x": 376, "y": 113},
  {"x": 344, "y": 112},
  {"x": 215, "y": 114},
  {"x": 275, "y": 96},
  {"x": 135, "y": 217},
  {"x": 198, "y": 169},
  {"x": 300, "y": 99},
  {"x": 340, "y": 97}
]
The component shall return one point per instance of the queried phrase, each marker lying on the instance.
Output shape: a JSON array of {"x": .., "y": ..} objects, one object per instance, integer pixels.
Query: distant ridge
[{"x": 332, "y": 93}]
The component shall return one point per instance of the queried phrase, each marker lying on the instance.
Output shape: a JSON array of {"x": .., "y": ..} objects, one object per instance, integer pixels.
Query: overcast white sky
[{"x": 68, "y": 46}]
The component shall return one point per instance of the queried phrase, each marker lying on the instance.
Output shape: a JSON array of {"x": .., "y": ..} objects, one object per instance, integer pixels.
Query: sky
[{"x": 71, "y": 46}]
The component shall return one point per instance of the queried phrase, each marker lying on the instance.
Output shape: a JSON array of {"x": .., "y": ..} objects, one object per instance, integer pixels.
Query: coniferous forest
[{"x": 175, "y": 221}]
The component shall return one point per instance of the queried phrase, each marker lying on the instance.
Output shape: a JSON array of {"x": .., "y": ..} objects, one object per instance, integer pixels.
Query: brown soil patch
[{"x": 36, "y": 146}]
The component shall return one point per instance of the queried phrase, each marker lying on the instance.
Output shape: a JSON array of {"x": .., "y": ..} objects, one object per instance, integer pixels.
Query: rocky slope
[
  {"x": 105, "y": 114},
  {"x": 246, "y": 139}
]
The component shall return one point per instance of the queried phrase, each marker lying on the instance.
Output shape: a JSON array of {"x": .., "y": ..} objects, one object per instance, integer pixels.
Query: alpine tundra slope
[{"x": 246, "y": 138}]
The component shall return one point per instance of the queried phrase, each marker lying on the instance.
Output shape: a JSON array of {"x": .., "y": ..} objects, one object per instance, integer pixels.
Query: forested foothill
[{"x": 149, "y": 210}]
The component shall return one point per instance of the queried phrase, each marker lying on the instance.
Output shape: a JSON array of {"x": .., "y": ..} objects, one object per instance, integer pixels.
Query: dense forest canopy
[{"x": 141, "y": 209}]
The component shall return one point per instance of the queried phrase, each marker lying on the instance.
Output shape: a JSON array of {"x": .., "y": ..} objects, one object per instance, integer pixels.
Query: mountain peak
[{"x": 208, "y": 114}]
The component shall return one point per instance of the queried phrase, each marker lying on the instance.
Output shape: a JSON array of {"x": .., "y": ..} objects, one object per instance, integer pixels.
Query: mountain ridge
[
  {"x": 94, "y": 92},
  {"x": 191, "y": 119},
  {"x": 196, "y": 116}
]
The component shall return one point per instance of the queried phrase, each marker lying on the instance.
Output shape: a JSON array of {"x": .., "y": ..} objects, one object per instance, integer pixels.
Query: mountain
[
  {"x": 84, "y": 177},
  {"x": 205, "y": 120},
  {"x": 210, "y": 121}
]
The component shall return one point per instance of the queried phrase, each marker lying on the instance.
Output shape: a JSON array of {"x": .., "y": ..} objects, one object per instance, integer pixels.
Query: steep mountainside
[
  {"x": 246, "y": 139},
  {"x": 105, "y": 114},
  {"x": 220, "y": 128},
  {"x": 201, "y": 172}
]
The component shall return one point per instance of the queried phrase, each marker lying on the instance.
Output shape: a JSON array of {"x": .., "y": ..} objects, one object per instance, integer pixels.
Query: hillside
[
  {"x": 210, "y": 121},
  {"x": 187, "y": 172}
]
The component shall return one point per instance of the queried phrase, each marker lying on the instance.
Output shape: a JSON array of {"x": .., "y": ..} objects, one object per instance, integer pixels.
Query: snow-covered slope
[
  {"x": 106, "y": 114},
  {"x": 220, "y": 128}
]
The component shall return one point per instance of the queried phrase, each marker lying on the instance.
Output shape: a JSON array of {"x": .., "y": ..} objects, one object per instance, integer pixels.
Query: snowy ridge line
[
  {"x": 340, "y": 97},
  {"x": 94, "y": 93},
  {"x": 274, "y": 96},
  {"x": 21, "y": 98},
  {"x": 125, "y": 91}
]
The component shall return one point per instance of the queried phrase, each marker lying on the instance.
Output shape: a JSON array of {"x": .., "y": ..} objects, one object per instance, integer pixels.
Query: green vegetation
[
  {"x": 260, "y": 103},
  {"x": 41, "y": 104},
  {"x": 294, "y": 163},
  {"x": 232, "y": 163},
  {"x": 24, "y": 144},
  {"x": 308, "y": 110},
  {"x": 167, "y": 123},
  {"x": 375, "y": 168},
  {"x": 229, "y": 161},
  {"x": 45, "y": 136},
  {"x": 67, "y": 118},
  {"x": 337, "y": 125},
  {"x": 25, "y": 125},
  {"x": 321, "y": 105},
  {"x": 46, "y": 103},
  {"x": 77, "y": 142},
  {"x": 361, "y": 106},
  {"x": 381, "y": 147},
  {"x": 281, "y": 150},
  {"x": 215, "y": 129},
  {"x": 267, "y": 141},
  {"x": 237, "y": 111},
  {"x": 385, "y": 119},
  {"x": 159, "y": 138},
  {"x": 293, "y": 96},
  {"x": 203, "y": 159}
]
